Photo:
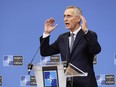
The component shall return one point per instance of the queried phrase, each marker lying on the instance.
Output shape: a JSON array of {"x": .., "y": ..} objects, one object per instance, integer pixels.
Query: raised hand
[
  {"x": 49, "y": 26},
  {"x": 84, "y": 24}
]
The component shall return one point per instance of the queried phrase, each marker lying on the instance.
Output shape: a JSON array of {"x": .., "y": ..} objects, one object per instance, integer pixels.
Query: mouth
[{"x": 67, "y": 24}]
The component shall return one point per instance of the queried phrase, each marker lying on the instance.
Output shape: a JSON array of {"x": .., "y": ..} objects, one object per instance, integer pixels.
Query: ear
[{"x": 78, "y": 19}]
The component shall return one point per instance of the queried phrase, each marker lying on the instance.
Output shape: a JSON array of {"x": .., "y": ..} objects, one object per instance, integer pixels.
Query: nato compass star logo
[
  {"x": 50, "y": 79},
  {"x": 11, "y": 60},
  {"x": 44, "y": 60},
  {"x": 8, "y": 60},
  {"x": 25, "y": 80},
  {"x": 100, "y": 79}
]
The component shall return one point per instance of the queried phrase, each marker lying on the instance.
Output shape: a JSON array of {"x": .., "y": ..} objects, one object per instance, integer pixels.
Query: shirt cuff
[
  {"x": 45, "y": 35},
  {"x": 86, "y": 32}
]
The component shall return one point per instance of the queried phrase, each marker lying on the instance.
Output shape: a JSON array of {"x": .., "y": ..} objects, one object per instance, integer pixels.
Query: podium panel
[
  {"x": 50, "y": 76},
  {"x": 73, "y": 71}
]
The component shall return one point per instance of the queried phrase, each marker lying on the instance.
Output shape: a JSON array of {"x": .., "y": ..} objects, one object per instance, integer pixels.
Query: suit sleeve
[
  {"x": 93, "y": 44},
  {"x": 46, "y": 49}
]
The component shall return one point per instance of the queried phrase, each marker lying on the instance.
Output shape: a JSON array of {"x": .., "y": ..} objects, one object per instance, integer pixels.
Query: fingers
[
  {"x": 84, "y": 24},
  {"x": 55, "y": 26},
  {"x": 50, "y": 21},
  {"x": 83, "y": 19}
]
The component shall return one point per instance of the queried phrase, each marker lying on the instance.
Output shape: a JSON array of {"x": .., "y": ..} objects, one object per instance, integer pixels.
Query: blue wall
[{"x": 22, "y": 23}]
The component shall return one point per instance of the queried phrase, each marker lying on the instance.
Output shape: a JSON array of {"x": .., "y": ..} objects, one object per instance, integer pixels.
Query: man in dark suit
[{"x": 81, "y": 52}]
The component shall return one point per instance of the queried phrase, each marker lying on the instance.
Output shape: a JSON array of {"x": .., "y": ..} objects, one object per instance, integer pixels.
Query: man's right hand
[{"x": 49, "y": 26}]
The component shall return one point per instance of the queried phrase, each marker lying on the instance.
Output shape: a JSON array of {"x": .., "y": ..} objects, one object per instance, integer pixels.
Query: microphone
[{"x": 30, "y": 65}]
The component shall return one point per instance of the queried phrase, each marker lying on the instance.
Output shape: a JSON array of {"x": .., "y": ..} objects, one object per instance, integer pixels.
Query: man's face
[{"x": 71, "y": 20}]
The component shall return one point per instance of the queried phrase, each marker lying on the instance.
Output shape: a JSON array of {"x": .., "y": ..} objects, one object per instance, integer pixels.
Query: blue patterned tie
[{"x": 72, "y": 41}]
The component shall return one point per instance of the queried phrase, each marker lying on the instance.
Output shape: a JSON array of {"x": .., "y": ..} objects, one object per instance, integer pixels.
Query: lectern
[
  {"x": 50, "y": 75},
  {"x": 54, "y": 75}
]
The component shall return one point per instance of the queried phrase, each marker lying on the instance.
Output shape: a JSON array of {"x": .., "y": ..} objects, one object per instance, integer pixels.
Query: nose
[{"x": 65, "y": 18}]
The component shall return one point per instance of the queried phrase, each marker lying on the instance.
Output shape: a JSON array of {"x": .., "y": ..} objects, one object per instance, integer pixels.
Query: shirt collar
[{"x": 76, "y": 31}]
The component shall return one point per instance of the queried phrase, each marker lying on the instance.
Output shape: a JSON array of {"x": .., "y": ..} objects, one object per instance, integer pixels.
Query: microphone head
[
  {"x": 65, "y": 64},
  {"x": 29, "y": 66}
]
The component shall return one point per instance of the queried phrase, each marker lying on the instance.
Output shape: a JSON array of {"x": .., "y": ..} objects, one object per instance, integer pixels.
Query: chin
[{"x": 68, "y": 28}]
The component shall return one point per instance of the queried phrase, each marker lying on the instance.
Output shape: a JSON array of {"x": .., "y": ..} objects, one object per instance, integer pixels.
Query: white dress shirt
[{"x": 75, "y": 33}]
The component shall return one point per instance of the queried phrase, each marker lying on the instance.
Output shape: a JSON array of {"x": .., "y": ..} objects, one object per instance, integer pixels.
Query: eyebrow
[{"x": 67, "y": 15}]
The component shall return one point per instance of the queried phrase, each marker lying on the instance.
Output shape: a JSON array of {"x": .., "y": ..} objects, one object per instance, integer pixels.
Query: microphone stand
[{"x": 30, "y": 65}]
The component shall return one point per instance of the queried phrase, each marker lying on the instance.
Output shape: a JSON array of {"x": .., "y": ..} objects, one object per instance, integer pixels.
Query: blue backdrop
[{"x": 22, "y": 23}]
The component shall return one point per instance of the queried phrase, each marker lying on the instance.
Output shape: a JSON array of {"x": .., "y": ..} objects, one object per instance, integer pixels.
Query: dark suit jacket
[{"x": 84, "y": 49}]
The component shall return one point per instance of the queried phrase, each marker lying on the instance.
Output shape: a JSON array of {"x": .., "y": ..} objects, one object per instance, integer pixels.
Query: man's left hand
[{"x": 84, "y": 24}]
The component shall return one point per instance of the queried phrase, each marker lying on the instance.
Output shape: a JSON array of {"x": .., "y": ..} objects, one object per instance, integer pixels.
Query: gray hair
[{"x": 77, "y": 9}]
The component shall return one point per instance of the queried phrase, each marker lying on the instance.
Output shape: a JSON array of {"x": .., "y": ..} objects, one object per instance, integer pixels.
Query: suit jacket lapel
[
  {"x": 78, "y": 37},
  {"x": 66, "y": 41}
]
